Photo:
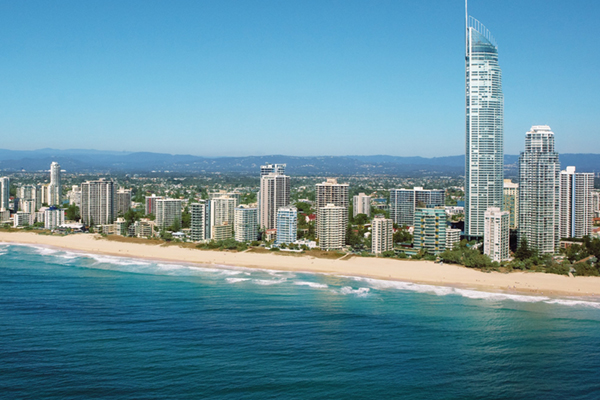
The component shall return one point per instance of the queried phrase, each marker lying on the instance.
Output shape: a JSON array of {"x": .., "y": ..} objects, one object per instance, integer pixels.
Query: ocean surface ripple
[{"x": 76, "y": 325}]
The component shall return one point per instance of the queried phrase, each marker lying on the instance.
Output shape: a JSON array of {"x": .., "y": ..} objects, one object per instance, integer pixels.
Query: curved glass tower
[{"x": 484, "y": 154}]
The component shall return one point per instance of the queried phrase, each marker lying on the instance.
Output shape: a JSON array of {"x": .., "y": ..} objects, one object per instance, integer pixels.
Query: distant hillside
[{"x": 143, "y": 162}]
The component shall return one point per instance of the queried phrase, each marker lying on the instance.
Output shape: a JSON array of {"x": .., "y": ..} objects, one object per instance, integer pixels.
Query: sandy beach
[{"x": 425, "y": 272}]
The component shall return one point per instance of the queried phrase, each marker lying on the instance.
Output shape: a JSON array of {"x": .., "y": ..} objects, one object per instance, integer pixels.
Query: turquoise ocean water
[{"x": 95, "y": 327}]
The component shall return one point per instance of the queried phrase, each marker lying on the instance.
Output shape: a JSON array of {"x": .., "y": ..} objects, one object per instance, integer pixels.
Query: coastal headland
[{"x": 423, "y": 272}]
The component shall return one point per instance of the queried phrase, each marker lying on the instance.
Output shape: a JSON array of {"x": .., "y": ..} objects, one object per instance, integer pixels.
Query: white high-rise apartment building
[
  {"x": 245, "y": 223},
  {"x": 539, "y": 171},
  {"x": 332, "y": 192},
  {"x": 361, "y": 204},
  {"x": 382, "y": 234},
  {"x": 222, "y": 214},
  {"x": 274, "y": 194},
  {"x": 404, "y": 202},
  {"x": 167, "y": 212},
  {"x": 332, "y": 227},
  {"x": 595, "y": 201},
  {"x": 74, "y": 195},
  {"x": 98, "y": 202},
  {"x": 200, "y": 221},
  {"x": 4, "y": 193},
  {"x": 123, "y": 201},
  {"x": 53, "y": 218},
  {"x": 55, "y": 186},
  {"x": 576, "y": 203},
  {"x": 287, "y": 225},
  {"x": 484, "y": 153},
  {"x": 511, "y": 202},
  {"x": 30, "y": 193},
  {"x": 452, "y": 237},
  {"x": 496, "y": 234}
]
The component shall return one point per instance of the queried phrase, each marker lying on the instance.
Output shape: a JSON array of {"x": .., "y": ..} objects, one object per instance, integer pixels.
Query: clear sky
[{"x": 245, "y": 77}]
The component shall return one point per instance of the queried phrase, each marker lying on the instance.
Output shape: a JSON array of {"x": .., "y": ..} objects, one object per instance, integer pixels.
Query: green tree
[
  {"x": 361, "y": 219},
  {"x": 523, "y": 251},
  {"x": 73, "y": 213},
  {"x": 186, "y": 218}
]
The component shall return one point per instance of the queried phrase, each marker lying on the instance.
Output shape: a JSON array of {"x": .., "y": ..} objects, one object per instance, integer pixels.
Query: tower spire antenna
[{"x": 466, "y": 30}]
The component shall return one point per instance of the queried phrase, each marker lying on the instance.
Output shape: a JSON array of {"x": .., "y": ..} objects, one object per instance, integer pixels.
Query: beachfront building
[
  {"x": 274, "y": 194},
  {"x": 452, "y": 237},
  {"x": 55, "y": 186},
  {"x": 222, "y": 217},
  {"x": 484, "y": 144},
  {"x": 511, "y": 202},
  {"x": 150, "y": 204},
  {"x": 332, "y": 192},
  {"x": 4, "y": 193},
  {"x": 123, "y": 201},
  {"x": 30, "y": 194},
  {"x": 144, "y": 228},
  {"x": 575, "y": 203},
  {"x": 539, "y": 177},
  {"x": 496, "y": 234},
  {"x": 332, "y": 227},
  {"x": 53, "y": 217},
  {"x": 287, "y": 225},
  {"x": 430, "y": 230},
  {"x": 21, "y": 218},
  {"x": 98, "y": 202},
  {"x": 361, "y": 204},
  {"x": 382, "y": 234},
  {"x": 245, "y": 223},
  {"x": 403, "y": 203},
  {"x": 200, "y": 221},
  {"x": 168, "y": 213}
]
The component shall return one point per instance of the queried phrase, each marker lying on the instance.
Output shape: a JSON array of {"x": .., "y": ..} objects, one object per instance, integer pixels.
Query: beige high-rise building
[
  {"x": 332, "y": 227},
  {"x": 167, "y": 212},
  {"x": 123, "y": 201},
  {"x": 332, "y": 192},
  {"x": 98, "y": 202},
  {"x": 511, "y": 202},
  {"x": 274, "y": 194},
  {"x": 361, "y": 204},
  {"x": 382, "y": 232},
  {"x": 495, "y": 234},
  {"x": 222, "y": 214}
]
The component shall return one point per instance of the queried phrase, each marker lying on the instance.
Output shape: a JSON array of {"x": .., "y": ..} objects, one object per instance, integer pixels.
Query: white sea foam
[
  {"x": 471, "y": 294},
  {"x": 566, "y": 302},
  {"x": 312, "y": 284},
  {"x": 236, "y": 280},
  {"x": 360, "y": 292},
  {"x": 268, "y": 282}
]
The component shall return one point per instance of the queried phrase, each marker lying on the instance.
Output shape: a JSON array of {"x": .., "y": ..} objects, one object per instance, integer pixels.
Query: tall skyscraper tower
[
  {"x": 484, "y": 162},
  {"x": 4, "y": 192},
  {"x": 55, "y": 187},
  {"x": 539, "y": 171}
]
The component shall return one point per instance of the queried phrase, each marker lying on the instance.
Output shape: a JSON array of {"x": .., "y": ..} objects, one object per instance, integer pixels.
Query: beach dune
[{"x": 425, "y": 272}]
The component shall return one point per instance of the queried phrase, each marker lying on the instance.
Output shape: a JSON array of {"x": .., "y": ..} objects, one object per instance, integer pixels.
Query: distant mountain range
[{"x": 92, "y": 161}]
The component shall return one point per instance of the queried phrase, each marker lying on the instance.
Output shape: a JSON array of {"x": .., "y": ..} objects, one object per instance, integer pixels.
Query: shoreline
[{"x": 418, "y": 272}]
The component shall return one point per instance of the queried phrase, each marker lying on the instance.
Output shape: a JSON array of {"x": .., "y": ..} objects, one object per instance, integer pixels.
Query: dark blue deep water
[{"x": 87, "y": 326}]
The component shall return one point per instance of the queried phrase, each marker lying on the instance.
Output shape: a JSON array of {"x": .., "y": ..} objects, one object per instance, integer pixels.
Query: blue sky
[{"x": 244, "y": 77}]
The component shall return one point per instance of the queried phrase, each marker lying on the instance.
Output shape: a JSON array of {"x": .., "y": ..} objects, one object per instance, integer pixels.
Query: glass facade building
[{"x": 484, "y": 162}]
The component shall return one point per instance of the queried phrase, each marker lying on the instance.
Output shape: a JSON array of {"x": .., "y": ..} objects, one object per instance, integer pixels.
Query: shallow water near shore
[{"x": 76, "y": 325}]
